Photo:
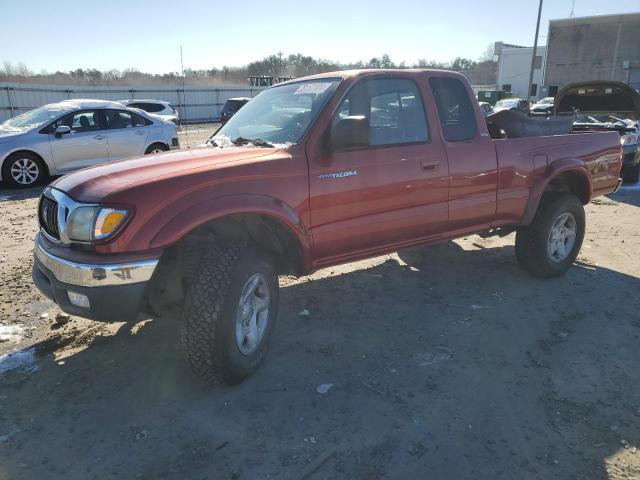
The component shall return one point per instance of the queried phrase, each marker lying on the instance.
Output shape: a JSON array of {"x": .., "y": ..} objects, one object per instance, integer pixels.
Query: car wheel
[
  {"x": 631, "y": 174},
  {"x": 230, "y": 312},
  {"x": 155, "y": 148},
  {"x": 23, "y": 170},
  {"x": 550, "y": 245}
]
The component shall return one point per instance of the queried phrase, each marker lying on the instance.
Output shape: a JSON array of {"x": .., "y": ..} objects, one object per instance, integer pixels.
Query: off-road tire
[
  {"x": 631, "y": 174},
  {"x": 209, "y": 314},
  {"x": 531, "y": 241},
  {"x": 15, "y": 157},
  {"x": 156, "y": 146}
]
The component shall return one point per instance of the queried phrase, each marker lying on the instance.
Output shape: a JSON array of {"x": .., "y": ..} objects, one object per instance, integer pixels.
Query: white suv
[
  {"x": 158, "y": 108},
  {"x": 61, "y": 137}
]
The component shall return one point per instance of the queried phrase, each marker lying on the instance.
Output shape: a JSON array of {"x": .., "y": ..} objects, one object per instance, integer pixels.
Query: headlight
[
  {"x": 86, "y": 224},
  {"x": 629, "y": 139}
]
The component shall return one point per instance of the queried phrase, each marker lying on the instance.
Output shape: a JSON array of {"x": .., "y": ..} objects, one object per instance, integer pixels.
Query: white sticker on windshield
[{"x": 315, "y": 87}]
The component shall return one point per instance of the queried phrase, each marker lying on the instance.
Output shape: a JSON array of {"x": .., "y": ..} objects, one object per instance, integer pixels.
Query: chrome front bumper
[{"x": 95, "y": 275}]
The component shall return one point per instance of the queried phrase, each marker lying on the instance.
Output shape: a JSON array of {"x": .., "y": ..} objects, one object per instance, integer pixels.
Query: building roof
[{"x": 615, "y": 18}]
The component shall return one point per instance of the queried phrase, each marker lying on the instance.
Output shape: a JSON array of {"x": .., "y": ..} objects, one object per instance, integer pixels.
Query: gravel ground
[{"x": 437, "y": 362}]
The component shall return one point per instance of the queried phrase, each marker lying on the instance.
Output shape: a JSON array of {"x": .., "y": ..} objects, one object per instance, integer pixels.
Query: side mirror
[
  {"x": 62, "y": 130},
  {"x": 350, "y": 132}
]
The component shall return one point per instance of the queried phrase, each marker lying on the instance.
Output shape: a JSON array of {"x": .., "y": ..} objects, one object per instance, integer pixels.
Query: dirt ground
[{"x": 441, "y": 362}]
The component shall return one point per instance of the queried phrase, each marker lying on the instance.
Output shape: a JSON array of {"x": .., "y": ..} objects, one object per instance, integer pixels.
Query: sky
[{"x": 147, "y": 34}]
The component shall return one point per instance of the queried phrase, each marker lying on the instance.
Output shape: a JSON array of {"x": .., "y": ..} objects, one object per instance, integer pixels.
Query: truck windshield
[{"x": 278, "y": 115}]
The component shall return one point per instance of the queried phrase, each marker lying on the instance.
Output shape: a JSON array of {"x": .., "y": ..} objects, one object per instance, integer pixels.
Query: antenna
[
  {"x": 573, "y": 4},
  {"x": 184, "y": 100}
]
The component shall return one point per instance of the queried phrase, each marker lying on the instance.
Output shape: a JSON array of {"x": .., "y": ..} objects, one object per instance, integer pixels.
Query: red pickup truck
[{"x": 310, "y": 173}]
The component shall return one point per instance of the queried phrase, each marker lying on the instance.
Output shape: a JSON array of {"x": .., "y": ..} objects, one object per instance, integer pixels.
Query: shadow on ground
[{"x": 454, "y": 364}]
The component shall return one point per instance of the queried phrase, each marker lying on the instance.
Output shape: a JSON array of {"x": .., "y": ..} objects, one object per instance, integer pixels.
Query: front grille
[
  {"x": 628, "y": 157},
  {"x": 49, "y": 216}
]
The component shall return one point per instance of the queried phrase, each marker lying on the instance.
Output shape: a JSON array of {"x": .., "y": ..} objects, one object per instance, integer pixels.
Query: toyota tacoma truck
[{"x": 314, "y": 172}]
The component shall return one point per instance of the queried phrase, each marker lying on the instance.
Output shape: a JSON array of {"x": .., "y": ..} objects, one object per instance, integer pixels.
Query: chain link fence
[{"x": 194, "y": 104}]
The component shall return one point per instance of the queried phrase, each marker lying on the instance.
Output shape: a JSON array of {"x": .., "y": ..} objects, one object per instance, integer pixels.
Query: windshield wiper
[{"x": 257, "y": 142}]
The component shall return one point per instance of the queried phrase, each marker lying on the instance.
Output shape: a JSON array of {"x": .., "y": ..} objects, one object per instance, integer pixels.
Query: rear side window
[
  {"x": 118, "y": 119},
  {"x": 455, "y": 110},
  {"x": 138, "y": 121},
  {"x": 148, "y": 107},
  {"x": 392, "y": 106}
]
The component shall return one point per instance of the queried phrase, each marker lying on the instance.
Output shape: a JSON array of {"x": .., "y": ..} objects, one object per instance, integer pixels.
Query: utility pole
[{"x": 535, "y": 49}]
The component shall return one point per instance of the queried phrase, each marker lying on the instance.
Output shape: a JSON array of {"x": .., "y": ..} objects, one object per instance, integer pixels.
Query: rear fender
[{"x": 580, "y": 178}]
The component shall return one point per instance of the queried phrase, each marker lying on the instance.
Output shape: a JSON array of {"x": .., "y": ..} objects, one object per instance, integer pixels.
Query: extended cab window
[
  {"x": 392, "y": 106},
  {"x": 455, "y": 110}
]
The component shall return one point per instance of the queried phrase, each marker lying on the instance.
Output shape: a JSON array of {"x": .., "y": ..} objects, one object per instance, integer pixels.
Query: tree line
[{"x": 480, "y": 72}]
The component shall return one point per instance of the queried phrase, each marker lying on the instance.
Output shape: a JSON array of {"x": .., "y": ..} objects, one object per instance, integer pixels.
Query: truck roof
[{"x": 377, "y": 71}]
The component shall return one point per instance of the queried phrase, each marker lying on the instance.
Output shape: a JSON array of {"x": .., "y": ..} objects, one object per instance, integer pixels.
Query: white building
[{"x": 514, "y": 64}]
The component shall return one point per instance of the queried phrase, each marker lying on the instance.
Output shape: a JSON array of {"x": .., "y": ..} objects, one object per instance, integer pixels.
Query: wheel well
[
  {"x": 179, "y": 263},
  {"x": 156, "y": 143},
  {"x": 571, "y": 182},
  {"x": 30, "y": 152}
]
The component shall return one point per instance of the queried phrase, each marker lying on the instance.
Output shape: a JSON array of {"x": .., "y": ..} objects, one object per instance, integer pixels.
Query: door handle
[
  {"x": 430, "y": 166},
  {"x": 99, "y": 137},
  {"x": 140, "y": 132}
]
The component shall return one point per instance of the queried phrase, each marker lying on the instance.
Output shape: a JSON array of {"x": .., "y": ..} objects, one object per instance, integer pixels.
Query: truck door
[
  {"x": 392, "y": 190},
  {"x": 473, "y": 165}
]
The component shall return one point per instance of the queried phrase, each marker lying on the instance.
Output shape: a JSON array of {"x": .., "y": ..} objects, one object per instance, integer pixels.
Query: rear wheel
[
  {"x": 230, "y": 313},
  {"x": 550, "y": 245},
  {"x": 23, "y": 170},
  {"x": 631, "y": 174},
  {"x": 155, "y": 148}
]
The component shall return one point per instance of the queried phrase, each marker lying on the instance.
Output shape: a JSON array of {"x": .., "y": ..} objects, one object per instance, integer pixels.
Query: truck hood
[
  {"x": 599, "y": 97},
  {"x": 95, "y": 183}
]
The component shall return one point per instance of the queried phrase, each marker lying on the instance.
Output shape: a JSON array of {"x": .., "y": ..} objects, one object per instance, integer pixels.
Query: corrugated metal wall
[{"x": 194, "y": 104}]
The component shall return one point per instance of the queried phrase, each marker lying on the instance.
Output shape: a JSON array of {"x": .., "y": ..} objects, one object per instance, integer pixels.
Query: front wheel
[
  {"x": 23, "y": 170},
  {"x": 230, "y": 313},
  {"x": 550, "y": 245}
]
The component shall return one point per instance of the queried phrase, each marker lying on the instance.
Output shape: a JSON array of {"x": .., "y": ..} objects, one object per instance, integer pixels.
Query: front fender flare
[{"x": 179, "y": 225}]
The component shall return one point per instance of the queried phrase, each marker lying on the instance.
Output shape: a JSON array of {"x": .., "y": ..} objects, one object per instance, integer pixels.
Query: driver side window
[
  {"x": 393, "y": 108},
  {"x": 82, "y": 121}
]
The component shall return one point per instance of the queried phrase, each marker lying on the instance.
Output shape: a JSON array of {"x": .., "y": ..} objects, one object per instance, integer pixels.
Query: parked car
[
  {"x": 486, "y": 108},
  {"x": 606, "y": 106},
  {"x": 61, "y": 137},
  {"x": 512, "y": 104},
  {"x": 231, "y": 107},
  {"x": 543, "y": 106},
  {"x": 158, "y": 108},
  {"x": 311, "y": 173}
]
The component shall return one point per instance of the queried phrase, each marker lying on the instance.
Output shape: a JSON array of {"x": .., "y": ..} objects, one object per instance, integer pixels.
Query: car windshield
[
  {"x": 511, "y": 102},
  {"x": 36, "y": 117},
  {"x": 278, "y": 115},
  {"x": 545, "y": 101}
]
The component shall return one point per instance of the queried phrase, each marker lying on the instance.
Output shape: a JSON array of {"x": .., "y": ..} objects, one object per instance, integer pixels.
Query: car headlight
[
  {"x": 629, "y": 139},
  {"x": 87, "y": 224}
]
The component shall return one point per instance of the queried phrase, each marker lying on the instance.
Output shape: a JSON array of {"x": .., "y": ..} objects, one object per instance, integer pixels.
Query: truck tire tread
[
  {"x": 531, "y": 241},
  {"x": 203, "y": 308}
]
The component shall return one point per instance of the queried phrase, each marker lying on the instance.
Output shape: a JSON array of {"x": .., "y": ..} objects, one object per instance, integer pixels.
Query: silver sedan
[{"x": 62, "y": 137}]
